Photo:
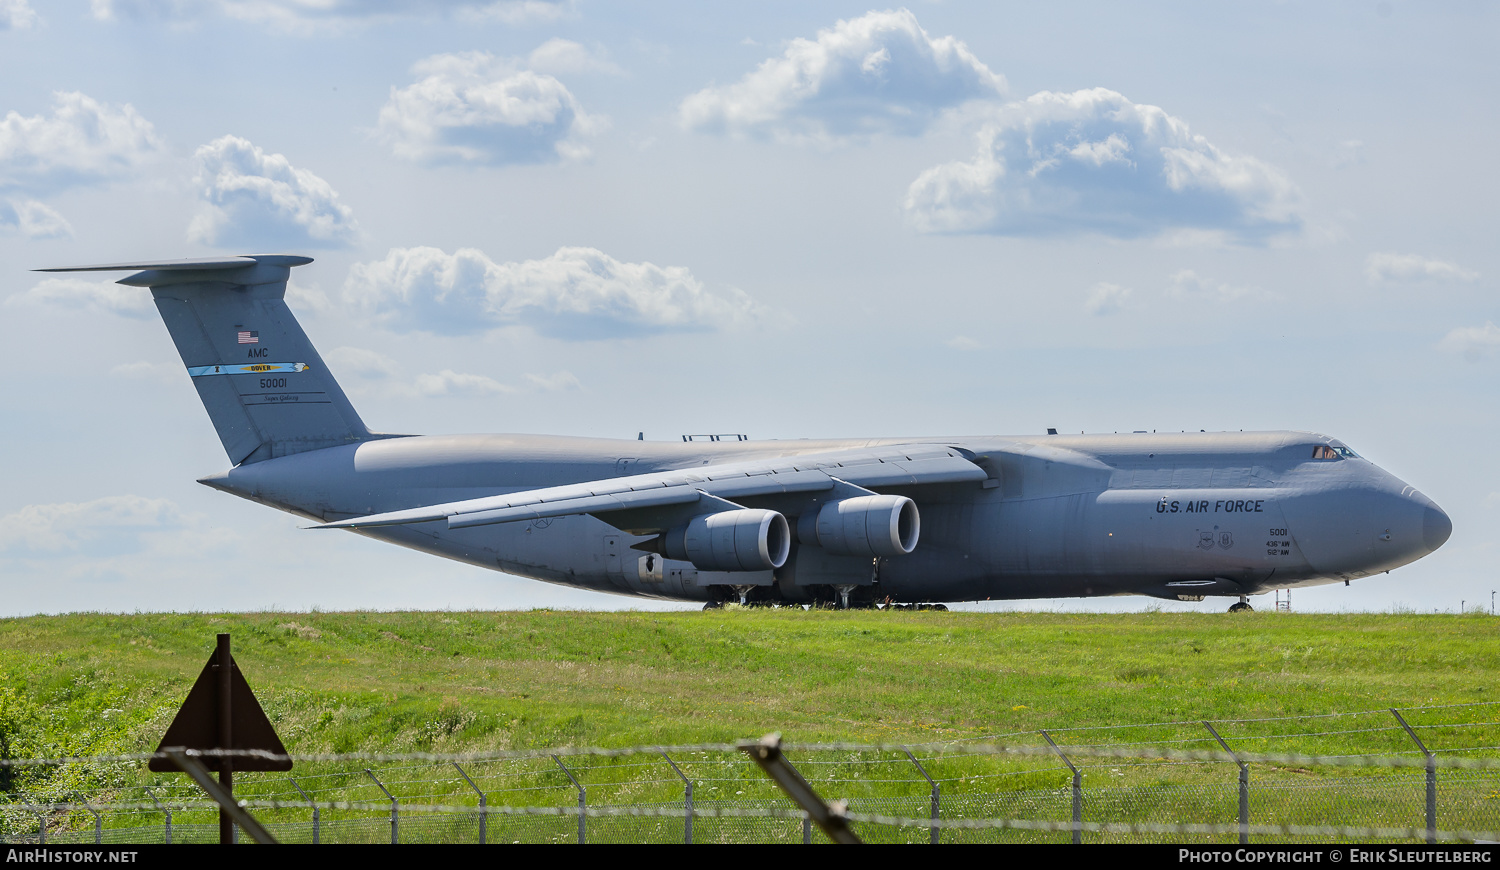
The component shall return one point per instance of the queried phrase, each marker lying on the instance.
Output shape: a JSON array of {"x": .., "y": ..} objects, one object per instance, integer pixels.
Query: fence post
[
  {"x": 394, "y": 806},
  {"x": 98, "y": 820},
  {"x": 1431, "y": 779},
  {"x": 165, "y": 811},
  {"x": 1244, "y": 787},
  {"x": 936, "y": 792},
  {"x": 309, "y": 803},
  {"x": 1077, "y": 791},
  {"x": 582, "y": 798},
  {"x": 482, "y": 812},
  {"x": 687, "y": 801}
]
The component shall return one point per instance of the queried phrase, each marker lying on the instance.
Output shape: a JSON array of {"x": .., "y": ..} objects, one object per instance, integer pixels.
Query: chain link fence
[{"x": 1413, "y": 775}]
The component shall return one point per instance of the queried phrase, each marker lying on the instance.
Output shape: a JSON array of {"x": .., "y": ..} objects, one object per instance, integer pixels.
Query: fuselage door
[{"x": 613, "y": 561}]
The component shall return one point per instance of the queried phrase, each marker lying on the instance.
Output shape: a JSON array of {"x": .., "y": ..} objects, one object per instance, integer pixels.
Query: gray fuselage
[{"x": 1168, "y": 515}]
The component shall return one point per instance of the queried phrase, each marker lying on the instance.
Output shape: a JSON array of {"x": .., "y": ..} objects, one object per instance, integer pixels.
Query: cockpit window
[{"x": 1325, "y": 451}]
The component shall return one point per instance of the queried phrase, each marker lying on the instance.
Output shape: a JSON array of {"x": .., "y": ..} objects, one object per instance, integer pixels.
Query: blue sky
[{"x": 788, "y": 220}]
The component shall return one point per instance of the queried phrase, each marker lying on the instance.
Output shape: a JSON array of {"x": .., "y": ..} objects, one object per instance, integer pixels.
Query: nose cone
[
  {"x": 1416, "y": 526},
  {"x": 1436, "y": 527},
  {"x": 1375, "y": 525}
]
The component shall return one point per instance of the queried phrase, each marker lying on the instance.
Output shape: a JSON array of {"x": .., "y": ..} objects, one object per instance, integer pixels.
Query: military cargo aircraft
[{"x": 905, "y": 521}]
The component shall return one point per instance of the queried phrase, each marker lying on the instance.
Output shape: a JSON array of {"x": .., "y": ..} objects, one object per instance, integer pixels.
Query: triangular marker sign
[{"x": 197, "y": 724}]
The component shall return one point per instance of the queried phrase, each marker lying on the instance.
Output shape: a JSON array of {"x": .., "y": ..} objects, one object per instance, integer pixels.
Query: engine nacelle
[
  {"x": 742, "y": 540},
  {"x": 871, "y": 525}
]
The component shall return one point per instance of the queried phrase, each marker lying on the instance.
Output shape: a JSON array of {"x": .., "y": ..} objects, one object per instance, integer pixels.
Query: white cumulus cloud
[
  {"x": 104, "y": 524},
  {"x": 1105, "y": 298},
  {"x": 475, "y": 108},
  {"x": 143, "y": 369},
  {"x": 75, "y": 294},
  {"x": 313, "y": 16},
  {"x": 556, "y": 382},
  {"x": 577, "y": 293},
  {"x": 33, "y": 219},
  {"x": 16, "y": 15},
  {"x": 1187, "y": 284},
  {"x": 879, "y": 73},
  {"x": 1092, "y": 161},
  {"x": 1413, "y": 267},
  {"x": 564, "y": 56},
  {"x": 448, "y": 382},
  {"x": 361, "y": 363},
  {"x": 1473, "y": 342},
  {"x": 252, "y": 198},
  {"x": 515, "y": 11},
  {"x": 81, "y": 142},
  {"x": 373, "y": 372}
]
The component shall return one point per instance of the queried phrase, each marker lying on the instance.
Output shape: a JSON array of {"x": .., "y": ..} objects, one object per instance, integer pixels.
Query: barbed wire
[
  {"x": 927, "y": 750},
  {"x": 1198, "y": 723},
  {"x": 791, "y": 814},
  {"x": 1163, "y": 754},
  {"x": 1393, "y": 728}
]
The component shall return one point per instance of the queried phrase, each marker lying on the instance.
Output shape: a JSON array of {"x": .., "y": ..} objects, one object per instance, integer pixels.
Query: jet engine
[
  {"x": 871, "y": 525},
  {"x": 739, "y": 540}
]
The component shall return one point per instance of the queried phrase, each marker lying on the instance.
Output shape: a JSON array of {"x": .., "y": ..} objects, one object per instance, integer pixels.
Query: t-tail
[{"x": 265, "y": 388}]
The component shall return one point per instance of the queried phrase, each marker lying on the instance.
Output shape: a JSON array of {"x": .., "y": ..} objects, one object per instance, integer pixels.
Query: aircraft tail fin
[{"x": 263, "y": 384}]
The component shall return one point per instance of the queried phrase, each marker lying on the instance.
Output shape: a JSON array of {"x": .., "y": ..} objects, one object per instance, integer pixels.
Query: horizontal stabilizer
[
  {"x": 911, "y": 465},
  {"x": 190, "y": 264}
]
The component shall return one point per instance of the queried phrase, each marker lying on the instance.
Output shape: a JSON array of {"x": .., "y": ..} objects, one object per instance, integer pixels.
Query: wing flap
[
  {"x": 914, "y": 472},
  {"x": 658, "y": 497}
]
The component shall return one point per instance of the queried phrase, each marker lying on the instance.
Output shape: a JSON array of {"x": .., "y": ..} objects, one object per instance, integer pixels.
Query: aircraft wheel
[
  {"x": 714, "y": 605},
  {"x": 1240, "y": 607}
]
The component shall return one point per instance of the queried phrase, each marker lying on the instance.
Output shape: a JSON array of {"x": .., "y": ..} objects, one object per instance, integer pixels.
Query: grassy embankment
[
  {"x": 91, "y": 684},
  {"x": 336, "y": 682}
]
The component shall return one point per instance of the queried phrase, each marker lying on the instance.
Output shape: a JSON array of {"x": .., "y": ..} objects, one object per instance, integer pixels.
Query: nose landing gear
[{"x": 1241, "y": 606}]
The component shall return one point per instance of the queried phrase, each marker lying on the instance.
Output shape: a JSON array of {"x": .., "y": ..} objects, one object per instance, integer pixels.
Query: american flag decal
[{"x": 247, "y": 336}]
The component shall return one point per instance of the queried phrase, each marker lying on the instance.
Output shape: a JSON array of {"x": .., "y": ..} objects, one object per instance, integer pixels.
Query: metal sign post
[
  {"x": 831, "y": 819},
  {"x": 226, "y": 735},
  {"x": 225, "y": 727}
]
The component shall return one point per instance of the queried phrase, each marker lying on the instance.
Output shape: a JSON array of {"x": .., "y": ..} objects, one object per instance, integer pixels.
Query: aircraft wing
[{"x": 702, "y": 489}]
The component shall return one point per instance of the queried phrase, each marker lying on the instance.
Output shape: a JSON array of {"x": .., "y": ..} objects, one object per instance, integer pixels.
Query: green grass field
[
  {"x": 94, "y": 683},
  {"x": 90, "y": 684}
]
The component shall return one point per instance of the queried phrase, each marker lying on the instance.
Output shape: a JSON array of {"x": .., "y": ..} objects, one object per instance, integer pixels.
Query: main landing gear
[{"x": 1241, "y": 606}]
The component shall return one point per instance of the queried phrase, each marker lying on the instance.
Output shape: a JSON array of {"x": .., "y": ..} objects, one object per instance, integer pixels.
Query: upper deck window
[{"x": 1325, "y": 451}]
